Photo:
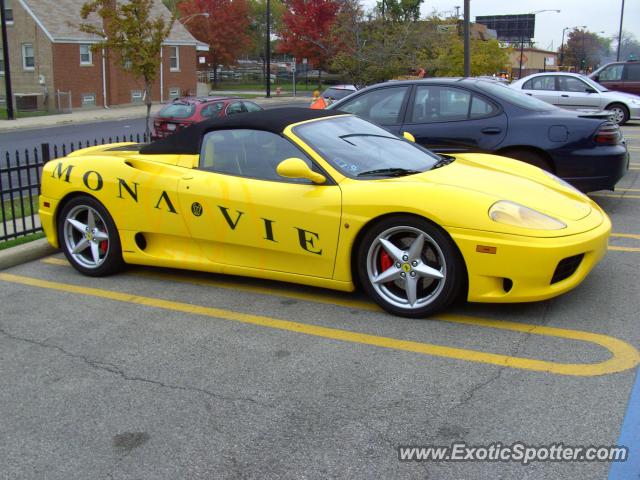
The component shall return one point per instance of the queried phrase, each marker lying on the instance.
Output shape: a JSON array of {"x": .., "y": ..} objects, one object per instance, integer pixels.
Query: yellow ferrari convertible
[{"x": 325, "y": 199}]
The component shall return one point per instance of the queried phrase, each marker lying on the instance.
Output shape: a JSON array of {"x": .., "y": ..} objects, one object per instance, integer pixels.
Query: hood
[{"x": 507, "y": 179}]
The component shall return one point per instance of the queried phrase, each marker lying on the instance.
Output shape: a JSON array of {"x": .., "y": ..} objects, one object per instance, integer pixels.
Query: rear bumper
[
  {"x": 523, "y": 268},
  {"x": 593, "y": 169}
]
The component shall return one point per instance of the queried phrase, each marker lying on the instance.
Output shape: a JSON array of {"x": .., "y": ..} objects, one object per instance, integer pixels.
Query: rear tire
[
  {"x": 619, "y": 113},
  {"x": 89, "y": 238}
]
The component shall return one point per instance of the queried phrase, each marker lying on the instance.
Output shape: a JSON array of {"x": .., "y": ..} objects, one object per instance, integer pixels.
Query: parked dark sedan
[{"x": 475, "y": 115}]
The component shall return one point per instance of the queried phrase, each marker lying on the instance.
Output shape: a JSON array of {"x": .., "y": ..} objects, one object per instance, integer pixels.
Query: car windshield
[
  {"x": 177, "y": 110},
  {"x": 513, "y": 96},
  {"x": 593, "y": 84},
  {"x": 358, "y": 148}
]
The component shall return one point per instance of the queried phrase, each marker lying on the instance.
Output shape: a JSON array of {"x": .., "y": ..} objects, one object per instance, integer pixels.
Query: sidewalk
[{"x": 122, "y": 113}]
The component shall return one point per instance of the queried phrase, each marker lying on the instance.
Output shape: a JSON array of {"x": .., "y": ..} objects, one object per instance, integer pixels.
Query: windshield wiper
[
  {"x": 442, "y": 161},
  {"x": 388, "y": 172}
]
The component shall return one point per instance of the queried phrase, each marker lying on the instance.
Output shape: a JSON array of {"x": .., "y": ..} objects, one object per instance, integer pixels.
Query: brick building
[{"x": 52, "y": 63}]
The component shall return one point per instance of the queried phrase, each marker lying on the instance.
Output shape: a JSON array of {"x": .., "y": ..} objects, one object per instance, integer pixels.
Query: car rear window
[
  {"x": 513, "y": 96},
  {"x": 177, "y": 110},
  {"x": 336, "y": 93}
]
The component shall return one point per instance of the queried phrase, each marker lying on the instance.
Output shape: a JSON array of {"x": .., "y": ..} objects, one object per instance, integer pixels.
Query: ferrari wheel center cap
[{"x": 406, "y": 268}]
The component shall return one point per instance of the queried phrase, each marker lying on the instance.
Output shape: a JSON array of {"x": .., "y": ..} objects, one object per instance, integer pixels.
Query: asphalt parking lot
[{"x": 161, "y": 374}]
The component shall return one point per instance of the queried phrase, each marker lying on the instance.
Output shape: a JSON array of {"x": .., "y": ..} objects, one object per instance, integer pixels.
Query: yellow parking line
[
  {"x": 623, "y": 249},
  {"x": 613, "y": 195},
  {"x": 626, "y": 235},
  {"x": 624, "y": 356}
]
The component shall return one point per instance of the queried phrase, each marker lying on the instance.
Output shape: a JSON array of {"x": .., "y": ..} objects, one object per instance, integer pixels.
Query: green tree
[
  {"x": 133, "y": 35},
  {"x": 172, "y": 5},
  {"x": 447, "y": 59},
  {"x": 584, "y": 50},
  {"x": 373, "y": 48},
  {"x": 258, "y": 26},
  {"x": 399, "y": 10}
]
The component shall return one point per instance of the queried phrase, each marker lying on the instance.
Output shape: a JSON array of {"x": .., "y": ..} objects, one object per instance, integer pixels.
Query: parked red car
[{"x": 184, "y": 111}]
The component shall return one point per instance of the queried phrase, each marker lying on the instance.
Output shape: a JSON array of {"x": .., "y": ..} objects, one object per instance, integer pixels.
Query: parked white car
[{"x": 578, "y": 92}]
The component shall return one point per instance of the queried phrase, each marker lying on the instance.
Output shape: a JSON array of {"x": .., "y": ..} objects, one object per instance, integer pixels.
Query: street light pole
[
  {"x": 522, "y": 36},
  {"x": 267, "y": 51},
  {"x": 562, "y": 46},
  {"x": 620, "y": 32},
  {"x": 467, "y": 42},
  {"x": 7, "y": 67}
]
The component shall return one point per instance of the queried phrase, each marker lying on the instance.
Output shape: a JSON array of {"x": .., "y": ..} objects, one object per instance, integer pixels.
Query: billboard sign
[{"x": 511, "y": 28}]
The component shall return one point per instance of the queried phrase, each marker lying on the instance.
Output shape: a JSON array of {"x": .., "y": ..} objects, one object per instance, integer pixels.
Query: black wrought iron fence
[{"x": 20, "y": 182}]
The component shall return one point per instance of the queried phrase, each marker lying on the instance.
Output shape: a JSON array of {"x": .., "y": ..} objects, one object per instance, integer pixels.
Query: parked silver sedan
[{"x": 578, "y": 92}]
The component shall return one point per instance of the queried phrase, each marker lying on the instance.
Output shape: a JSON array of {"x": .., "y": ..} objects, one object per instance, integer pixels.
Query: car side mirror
[
  {"x": 297, "y": 168},
  {"x": 590, "y": 90},
  {"x": 596, "y": 78},
  {"x": 409, "y": 137}
]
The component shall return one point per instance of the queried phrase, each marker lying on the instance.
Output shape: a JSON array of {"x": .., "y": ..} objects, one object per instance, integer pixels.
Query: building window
[
  {"x": 136, "y": 96},
  {"x": 88, "y": 99},
  {"x": 127, "y": 65},
  {"x": 8, "y": 14},
  {"x": 28, "y": 60},
  {"x": 174, "y": 59},
  {"x": 85, "y": 55}
]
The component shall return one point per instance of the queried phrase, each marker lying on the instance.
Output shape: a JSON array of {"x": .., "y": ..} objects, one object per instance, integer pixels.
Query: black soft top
[{"x": 189, "y": 140}]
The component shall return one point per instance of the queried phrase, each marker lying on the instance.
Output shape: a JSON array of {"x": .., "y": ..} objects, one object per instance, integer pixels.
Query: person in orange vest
[{"x": 318, "y": 103}]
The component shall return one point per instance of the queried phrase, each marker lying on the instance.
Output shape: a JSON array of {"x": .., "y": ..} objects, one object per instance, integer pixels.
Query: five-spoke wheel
[
  {"x": 89, "y": 238},
  {"x": 409, "y": 266}
]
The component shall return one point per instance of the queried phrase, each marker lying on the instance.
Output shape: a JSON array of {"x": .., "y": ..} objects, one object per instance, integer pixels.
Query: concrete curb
[{"x": 27, "y": 252}]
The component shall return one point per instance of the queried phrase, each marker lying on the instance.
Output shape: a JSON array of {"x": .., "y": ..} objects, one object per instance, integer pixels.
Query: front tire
[
  {"x": 409, "y": 266},
  {"x": 619, "y": 113},
  {"x": 89, "y": 238}
]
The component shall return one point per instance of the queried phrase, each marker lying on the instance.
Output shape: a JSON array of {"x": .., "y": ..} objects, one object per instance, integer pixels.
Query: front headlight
[{"x": 511, "y": 213}]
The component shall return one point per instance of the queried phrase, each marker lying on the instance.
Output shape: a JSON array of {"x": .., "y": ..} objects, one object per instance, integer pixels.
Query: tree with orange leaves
[
  {"x": 225, "y": 30},
  {"x": 306, "y": 30}
]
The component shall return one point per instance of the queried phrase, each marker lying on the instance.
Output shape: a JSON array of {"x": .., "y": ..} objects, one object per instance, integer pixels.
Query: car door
[
  {"x": 452, "y": 119},
  {"x": 576, "y": 93},
  {"x": 242, "y": 213},
  {"x": 543, "y": 88},
  {"x": 384, "y": 106},
  {"x": 631, "y": 78}
]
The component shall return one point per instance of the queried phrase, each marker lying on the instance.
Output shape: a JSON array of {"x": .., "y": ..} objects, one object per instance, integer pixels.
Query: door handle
[
  {"x": 491, "y": 130},
  {"x": 565, "y": 96},
  {"x": 530, "y": 94}
]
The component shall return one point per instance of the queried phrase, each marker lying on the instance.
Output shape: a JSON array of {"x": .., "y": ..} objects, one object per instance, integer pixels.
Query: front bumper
[
  {"x": 634, "y": 112},
  {"x": 522, "y": 269}
]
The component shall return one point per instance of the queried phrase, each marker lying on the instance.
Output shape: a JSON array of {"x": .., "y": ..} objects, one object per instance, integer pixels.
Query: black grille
[{"x": 566, "y": 267}]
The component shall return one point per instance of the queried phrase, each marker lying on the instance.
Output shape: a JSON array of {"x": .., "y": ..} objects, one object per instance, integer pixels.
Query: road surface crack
[{"x": 116, "y": 370}]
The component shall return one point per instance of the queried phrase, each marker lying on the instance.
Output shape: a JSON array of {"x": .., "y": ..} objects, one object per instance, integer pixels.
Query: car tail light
[{"x": 608, "y": 134}]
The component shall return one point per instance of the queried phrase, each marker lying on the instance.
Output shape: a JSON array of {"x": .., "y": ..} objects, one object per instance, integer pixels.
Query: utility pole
[
  {"x": 267, "y": 50},
  {"x": 7, "y": 67},
  {"x": 467, "y": 46},
  {"x": 620, "y": 32}
]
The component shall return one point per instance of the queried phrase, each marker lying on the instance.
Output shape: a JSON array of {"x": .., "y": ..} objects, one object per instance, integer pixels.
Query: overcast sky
[{"x": 597, "y": 15}]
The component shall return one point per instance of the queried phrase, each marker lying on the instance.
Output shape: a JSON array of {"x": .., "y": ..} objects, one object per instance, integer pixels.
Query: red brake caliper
[
  {"x": 385, "y": 260},
  {"x": 103, "y": 246}
]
